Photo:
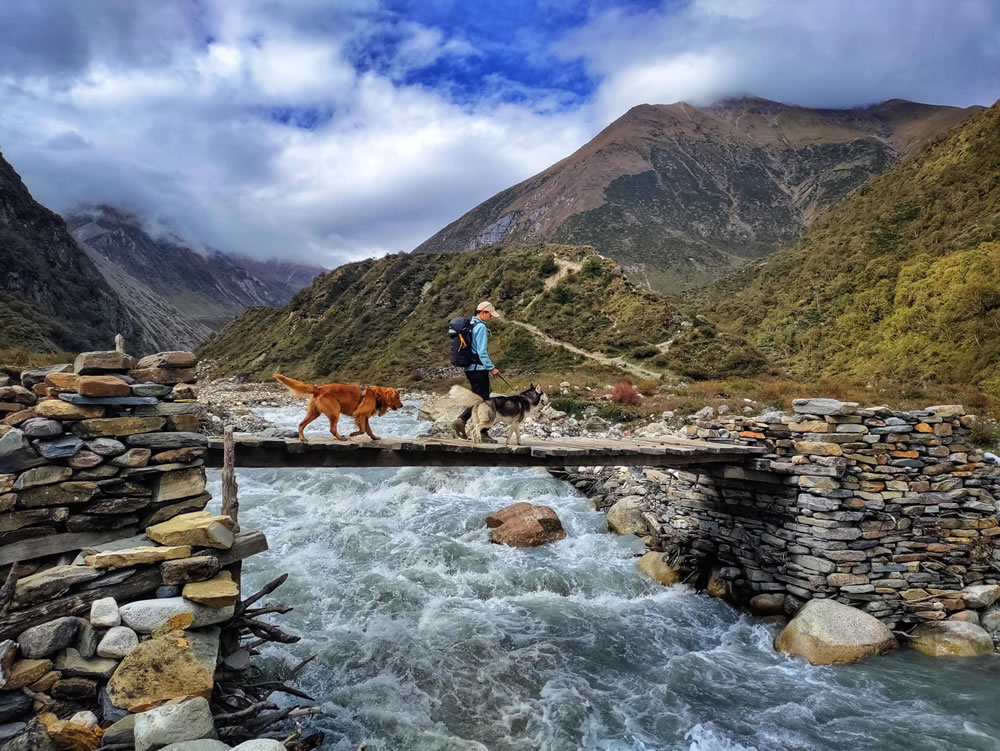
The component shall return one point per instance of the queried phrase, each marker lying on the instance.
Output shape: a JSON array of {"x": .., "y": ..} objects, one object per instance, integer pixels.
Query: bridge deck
[{"x": 255, "y": 451}]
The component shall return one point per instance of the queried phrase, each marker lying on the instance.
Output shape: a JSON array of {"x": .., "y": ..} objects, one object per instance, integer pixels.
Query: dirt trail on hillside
[{"x": 615, "y": 362}]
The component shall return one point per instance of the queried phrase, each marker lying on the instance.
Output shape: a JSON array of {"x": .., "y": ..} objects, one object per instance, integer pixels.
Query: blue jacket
[{"x": 480, "y": 340}]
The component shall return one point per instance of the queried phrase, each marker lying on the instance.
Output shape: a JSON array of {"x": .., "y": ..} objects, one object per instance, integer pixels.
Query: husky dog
[{"x": 512, "y": 410}]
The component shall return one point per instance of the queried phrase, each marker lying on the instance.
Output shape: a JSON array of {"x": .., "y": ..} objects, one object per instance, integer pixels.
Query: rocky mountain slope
[
  {"x": 386, "y": 319},
  {"x": 52, "y": 296},
  {"x": 160, "y": 274},
  {"x": 900, "y": 281},
  {"x": 680, "y": 195}
]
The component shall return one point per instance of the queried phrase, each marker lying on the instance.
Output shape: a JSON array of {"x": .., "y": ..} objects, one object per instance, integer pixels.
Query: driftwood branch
[{"x": 264, "y": 592}]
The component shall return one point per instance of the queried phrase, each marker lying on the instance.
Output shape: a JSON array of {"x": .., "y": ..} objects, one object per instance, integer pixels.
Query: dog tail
[
  {"x": 464, "y": 397},
  {"x": 296, "y": 386}
]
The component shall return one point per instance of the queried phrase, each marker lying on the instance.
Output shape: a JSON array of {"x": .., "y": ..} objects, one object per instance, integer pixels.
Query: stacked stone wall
[
  {"x": 892, "y": 512},
  {"x": 103, "y": 536}
]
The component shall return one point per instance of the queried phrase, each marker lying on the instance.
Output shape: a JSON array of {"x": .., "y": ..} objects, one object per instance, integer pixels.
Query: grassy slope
[
  {"x": 901, "y": 281},
  {"x": 387, "y": 317}
]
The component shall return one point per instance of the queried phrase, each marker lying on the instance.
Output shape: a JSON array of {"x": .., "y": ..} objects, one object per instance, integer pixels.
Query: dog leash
[{"x": 505, "y": 381}]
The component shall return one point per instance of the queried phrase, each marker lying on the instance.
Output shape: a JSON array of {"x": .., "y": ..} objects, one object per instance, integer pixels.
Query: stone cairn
[
  {"x": 891, "y": 512},
  {"x": 116, "y": 576}
]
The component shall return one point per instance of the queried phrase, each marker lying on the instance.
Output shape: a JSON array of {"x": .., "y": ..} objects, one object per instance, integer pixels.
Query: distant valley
[{"x": 73, "y": 284}]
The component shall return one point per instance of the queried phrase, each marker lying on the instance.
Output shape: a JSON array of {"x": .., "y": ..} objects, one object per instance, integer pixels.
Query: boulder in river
[
  {"x": 951, "y": 639},
  {"x": 625, "y": 516},
  {"x": 653, "y": 566},
  {"x": 522, "y": 525},
  {"x": 826, "y": 632}
]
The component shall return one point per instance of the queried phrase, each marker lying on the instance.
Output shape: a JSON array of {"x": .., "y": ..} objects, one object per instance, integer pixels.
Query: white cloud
[
  {"x": 173, "y": 109},
  {"x": 809, "y": 52}
]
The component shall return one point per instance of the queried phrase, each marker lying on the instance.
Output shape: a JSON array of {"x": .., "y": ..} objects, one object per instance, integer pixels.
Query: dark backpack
[{"x": 460, "y": 333}]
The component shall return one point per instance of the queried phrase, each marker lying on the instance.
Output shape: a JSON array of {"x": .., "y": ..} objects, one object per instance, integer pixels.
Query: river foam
[{"x": 431, "y": 638}]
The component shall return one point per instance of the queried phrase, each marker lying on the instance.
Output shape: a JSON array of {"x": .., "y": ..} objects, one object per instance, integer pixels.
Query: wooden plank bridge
[{"x": 255, "y": 451}]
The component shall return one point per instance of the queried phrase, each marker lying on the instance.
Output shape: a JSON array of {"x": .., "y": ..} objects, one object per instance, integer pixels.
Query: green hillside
[
  {"x": 900, "y": 282},
  {"x": 387, "y": 317}
]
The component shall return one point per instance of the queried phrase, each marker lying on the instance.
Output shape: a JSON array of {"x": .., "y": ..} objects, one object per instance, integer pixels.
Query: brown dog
[{"x": 336, "y": 399}]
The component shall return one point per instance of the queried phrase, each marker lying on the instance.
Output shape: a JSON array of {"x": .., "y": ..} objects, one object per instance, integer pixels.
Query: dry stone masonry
[
  {"x": 894, "y": 513},
  {"x": 119, "y": 576}
]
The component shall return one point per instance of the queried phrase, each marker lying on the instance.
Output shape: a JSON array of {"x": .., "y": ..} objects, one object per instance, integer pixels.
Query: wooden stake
[{"x": 230, "y": 499}]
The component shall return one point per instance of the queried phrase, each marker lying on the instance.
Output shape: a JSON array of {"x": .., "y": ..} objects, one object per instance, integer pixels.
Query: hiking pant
[{"x": 479, "y": 382}]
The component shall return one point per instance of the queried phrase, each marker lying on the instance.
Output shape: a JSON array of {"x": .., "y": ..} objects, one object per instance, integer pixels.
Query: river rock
[
  {"x": 165, "y": 513},
  {"x": 74, "y": 689},
  {"x": 118, "y": 643},
  {"x": 203, "y": 745},
  {"x": 15, "y": 520},
  {"x": 46, "y": 475},
  {"x": 824, "y": 407},
  {"x": 163, "y": 441},
  {"x": 25, "y": 672},
  {"x": 172, "y": 723},
  {"x": 47, "y": 638},
  {"x": 84, "y": 459},
  {"x": 118, "y": 426},
  {"x": 653, "y": 566},
  {"x": 826, "y": 632},
  {"x": 184, "y": 391},
  {"x": 136, "y": 556},
  {"x": 62, "y": 381},
  {"x": 980, "y": 595},
  {"x": 716, "y": 585},
  {"x": 33, "y": 376},
  {"x": 33, "y": 737},
  {"x": 150, "y": 389},
  {"x": 68, "y": 735},
  {"x": 990, "y": 620},
  {"x": 61, "y": 494},
  {"x": 121, "y": 731},
  {"x": 197, "y": 529},
  {"x": 969, "y": 616},
  {"x": 57, "y": 409},
  {"x": 16, "y": 452},
  {"x": 102, "y": 386},
  {"x": 14, "y": 704},
  {"x": 145, "y": 615},
  {"x": 196, "y": 569},
  {"x": 87, "y": 363},
  {"x": 13, "y": 730},
  {"x": 46, "y": 682},
  {"x": 205, "y": 644},
  {"x": 8, "y": 653},
  {"x": 87, "y": 719},
  {"x": 625, "y": 516},
  {"x": 768, "y": 603},
  {"x": 52, "y": 582},
  {"x": 58, "y": 448},
  {"x": 260, "y": 744},
  {"x": 86, "y": 639},
  {"x": 41, "y": 427},
  {"x": 133, "y": 458},
  {"x": 179, "y": 455},
  {"x": 221, "y": 591},
  {"x": 167, "y": 376},
  {"x": 523, "y": 525},
  {"x": 72, "y": 665},
  {"x": 951, "y": 639},
  {"x": 181, "y": 483},
  {"x": 106, "y": 446}
]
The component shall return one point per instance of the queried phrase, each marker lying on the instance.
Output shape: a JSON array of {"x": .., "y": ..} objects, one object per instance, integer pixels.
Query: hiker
[{"x": 480, "y": 368}]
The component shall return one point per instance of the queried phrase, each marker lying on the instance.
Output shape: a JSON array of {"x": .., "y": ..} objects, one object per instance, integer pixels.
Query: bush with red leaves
[{"x": 624, "y": 393}]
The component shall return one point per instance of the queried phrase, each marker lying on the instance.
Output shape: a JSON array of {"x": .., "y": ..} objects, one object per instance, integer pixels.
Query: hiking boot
[
  {"x": 459, "y": 426},
  {"x": 485, "y": 437}
]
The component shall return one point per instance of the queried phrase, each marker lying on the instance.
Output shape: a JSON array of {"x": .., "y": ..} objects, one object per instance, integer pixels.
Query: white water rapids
[{"x": 430, "y": 638}]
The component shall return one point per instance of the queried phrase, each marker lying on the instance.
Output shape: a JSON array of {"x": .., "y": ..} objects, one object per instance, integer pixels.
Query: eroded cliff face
[
  {"x": 680, "y": 195},
  {"x": 52, "y": 296}
]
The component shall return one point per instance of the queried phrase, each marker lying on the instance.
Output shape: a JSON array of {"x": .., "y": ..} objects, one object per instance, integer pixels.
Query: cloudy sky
[{"x": 329, "y": 130}]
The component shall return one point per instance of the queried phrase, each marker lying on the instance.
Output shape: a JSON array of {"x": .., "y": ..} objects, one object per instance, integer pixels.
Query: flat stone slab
[
  {"x": 145, "y": 615},
  {"x": 109, "y": 401}
]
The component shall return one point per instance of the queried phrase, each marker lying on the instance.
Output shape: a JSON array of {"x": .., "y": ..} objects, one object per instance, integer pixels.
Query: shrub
[
  {"x": 644, "y": 352},
  {"x": 985, "y": 434},
  {"x": 648, "y": 387},
  {"x": 624, "y": 393},
  {"x": 571, "y": 405},
  {"x": 549, "y": 266}
]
